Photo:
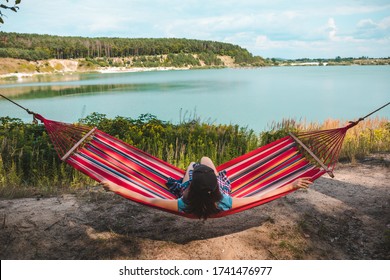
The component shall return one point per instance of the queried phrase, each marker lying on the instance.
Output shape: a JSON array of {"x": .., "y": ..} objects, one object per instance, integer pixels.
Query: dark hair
[{"x": 203, "y": 193}]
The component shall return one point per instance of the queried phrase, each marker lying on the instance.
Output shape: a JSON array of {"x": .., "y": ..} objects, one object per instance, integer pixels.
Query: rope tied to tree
[{"x": 36, "y": 116}]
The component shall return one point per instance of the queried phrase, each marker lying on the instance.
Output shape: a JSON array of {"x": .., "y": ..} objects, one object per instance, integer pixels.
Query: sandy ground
[{"x": 343, "y": 218}]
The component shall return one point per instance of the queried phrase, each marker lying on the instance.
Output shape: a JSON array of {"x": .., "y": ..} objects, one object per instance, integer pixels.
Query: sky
[{"x": 268, "y": 28}]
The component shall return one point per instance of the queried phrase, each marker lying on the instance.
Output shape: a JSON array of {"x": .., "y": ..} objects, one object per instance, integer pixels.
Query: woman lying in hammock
[{"x": 203, "y": 191}]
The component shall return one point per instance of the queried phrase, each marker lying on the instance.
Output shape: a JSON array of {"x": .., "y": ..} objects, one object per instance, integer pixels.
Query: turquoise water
[{"x": 248, "y": 97}]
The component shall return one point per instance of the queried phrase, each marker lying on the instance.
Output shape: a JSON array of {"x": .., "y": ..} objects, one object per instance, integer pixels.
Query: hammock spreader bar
[
  {"x": 313, "y": 155},
  {"x": 64, "y": 158}
]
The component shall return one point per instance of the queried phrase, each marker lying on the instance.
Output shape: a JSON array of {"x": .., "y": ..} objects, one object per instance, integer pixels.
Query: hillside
[
  {"x": 47, "y": 53},
  {"x": 10, "y": 67}
]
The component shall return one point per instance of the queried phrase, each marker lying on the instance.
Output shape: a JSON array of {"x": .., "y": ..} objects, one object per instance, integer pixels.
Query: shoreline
[
  {"x": 105, "y": 70},
  {"x": 109, "y": 70},
  {"x": 73, "y": 67},
  {"x": 113, "y": 70},
  {"x": 18, "y": 69}
]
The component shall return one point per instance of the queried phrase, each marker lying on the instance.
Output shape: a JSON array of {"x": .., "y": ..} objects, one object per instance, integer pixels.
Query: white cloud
[
  {"x": 371, "y": 29},
  {"x": 269, "y": 28},
  {"x": 264, "y": 43},
  {"x": 367, "y": 23},
  {"x": 385, "y": 23},
  {"x": 332, "y": 29},
  {"x": 359, "y": 9}
]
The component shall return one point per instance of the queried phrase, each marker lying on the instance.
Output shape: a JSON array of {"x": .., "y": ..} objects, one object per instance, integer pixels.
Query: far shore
[
  {"x": 16, "y": 69},
  {"x": 109, "y": 70}
]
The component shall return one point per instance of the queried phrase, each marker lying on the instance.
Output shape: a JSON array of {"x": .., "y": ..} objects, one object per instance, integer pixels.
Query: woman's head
[{"x": 203, "y": 193}]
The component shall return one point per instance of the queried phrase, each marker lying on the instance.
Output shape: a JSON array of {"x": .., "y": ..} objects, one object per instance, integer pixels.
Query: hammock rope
[{"x": 103, "y": 157}]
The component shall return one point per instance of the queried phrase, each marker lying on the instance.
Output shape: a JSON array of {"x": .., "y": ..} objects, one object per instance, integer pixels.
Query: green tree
[
  {"x": 148, "y": 51},
  {"x": 8, "y": 6}
]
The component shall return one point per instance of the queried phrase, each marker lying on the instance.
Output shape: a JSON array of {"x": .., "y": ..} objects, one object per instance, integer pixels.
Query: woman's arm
[
  {"x": 168, "y": 204},
  {"x": 300, "y": 183},
  {"x": 207, "y": 161}
]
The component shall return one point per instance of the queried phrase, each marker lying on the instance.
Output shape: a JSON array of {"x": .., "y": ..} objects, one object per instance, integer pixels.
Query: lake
[{"x": 253, "y": 98}]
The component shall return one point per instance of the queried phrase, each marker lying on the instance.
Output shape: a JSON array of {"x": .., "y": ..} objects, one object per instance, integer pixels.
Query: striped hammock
[{"x": 103, "y": 157}]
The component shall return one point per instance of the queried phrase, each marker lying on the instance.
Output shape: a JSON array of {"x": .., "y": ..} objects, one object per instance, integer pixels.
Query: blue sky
[{"x": 283, "y": 29}]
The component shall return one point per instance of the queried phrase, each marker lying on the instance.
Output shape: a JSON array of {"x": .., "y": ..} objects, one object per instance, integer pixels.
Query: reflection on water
[
  {"x": 43, "y": 78},
  {"x": 34, "y": 92},
  {"x": 248, "y": 97}
]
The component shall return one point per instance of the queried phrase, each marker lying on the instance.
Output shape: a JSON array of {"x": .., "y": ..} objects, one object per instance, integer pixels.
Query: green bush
[
  {"x": 29, "y": 164},
  {"x": 29, "y": 161}
]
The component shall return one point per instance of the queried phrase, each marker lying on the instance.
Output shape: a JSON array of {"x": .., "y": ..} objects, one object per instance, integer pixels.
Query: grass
[
  {"x": 297, "y": 250},
  {"x": 369, "y": 136},
  {"x": 288, "y": 243}
]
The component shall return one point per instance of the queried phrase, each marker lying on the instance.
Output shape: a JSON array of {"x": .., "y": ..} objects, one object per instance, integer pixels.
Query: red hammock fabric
[{"x": 103, "y": 157}]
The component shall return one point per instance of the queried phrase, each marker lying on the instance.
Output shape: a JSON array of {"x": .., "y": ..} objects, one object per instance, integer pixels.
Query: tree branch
[{"x": 14, "y": 8}]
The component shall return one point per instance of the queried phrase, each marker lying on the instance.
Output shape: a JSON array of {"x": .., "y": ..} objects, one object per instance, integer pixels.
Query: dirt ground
[{"x": 343, "y": 218}]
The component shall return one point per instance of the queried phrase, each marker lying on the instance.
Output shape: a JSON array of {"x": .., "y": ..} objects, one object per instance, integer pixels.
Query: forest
[{"x": 33, "y": 47}]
